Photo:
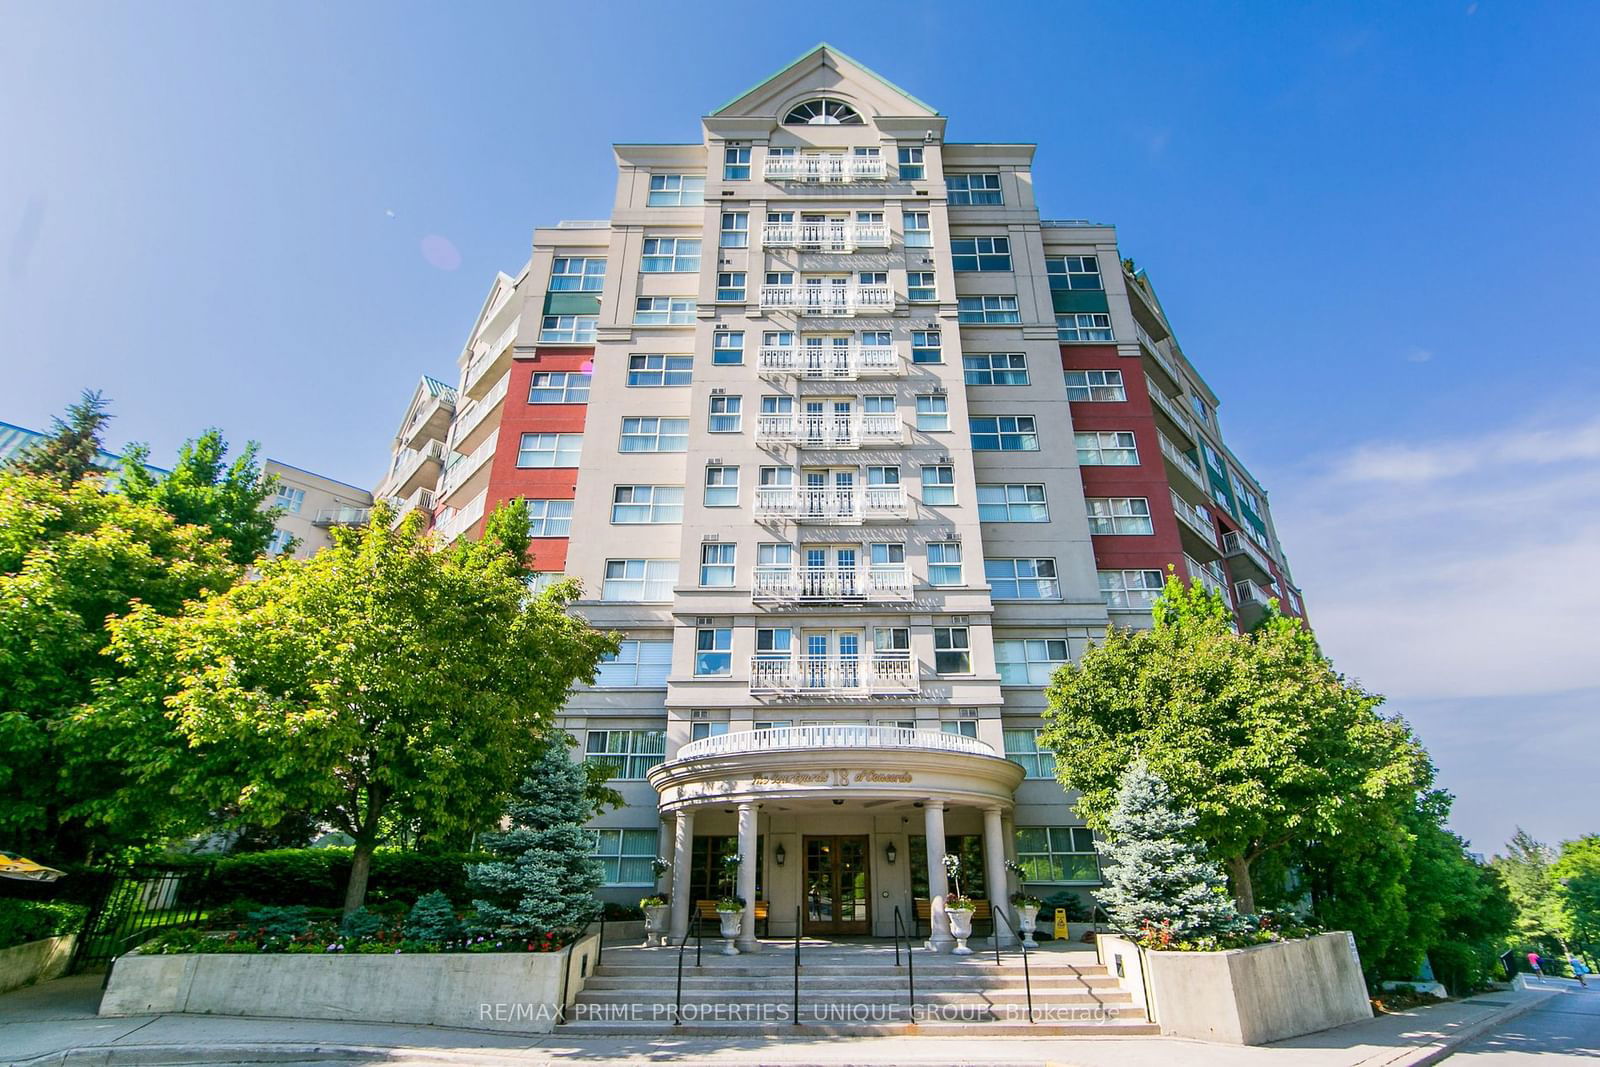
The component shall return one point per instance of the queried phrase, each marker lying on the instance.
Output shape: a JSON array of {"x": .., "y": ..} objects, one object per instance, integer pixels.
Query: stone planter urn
[
  {"x": 730, "y": 921},
  {"x": 655, "y": 924},
  {"x": 1027, "y": 920},
  {"x": 960, "y": 929}
]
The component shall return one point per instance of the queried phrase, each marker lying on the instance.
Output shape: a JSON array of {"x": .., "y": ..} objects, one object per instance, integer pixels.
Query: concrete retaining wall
[
  {"x": 35, "y": 961},
  {"x": 516, "y": 992}
]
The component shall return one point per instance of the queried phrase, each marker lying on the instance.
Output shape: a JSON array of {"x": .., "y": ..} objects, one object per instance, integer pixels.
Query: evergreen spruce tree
[
  {"x": 72, "y": 450},
  {"x": 546, "y": 876},
  {"x": 1157, "y": 872}
]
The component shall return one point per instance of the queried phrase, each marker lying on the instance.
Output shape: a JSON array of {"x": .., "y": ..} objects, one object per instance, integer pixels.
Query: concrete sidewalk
[{"x": 55, "y": 1024}]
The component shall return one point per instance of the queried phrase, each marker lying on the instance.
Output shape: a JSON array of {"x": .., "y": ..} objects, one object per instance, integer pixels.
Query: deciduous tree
[{"x": 205, "y": 490}]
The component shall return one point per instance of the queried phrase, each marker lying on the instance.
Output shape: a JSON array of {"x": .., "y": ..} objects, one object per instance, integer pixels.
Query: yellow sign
[{"x": 1061, "y": 924}]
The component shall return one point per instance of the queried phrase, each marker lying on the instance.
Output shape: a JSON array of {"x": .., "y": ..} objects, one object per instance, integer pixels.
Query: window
[
  {"x": 655, "y": 371},
  {"x": 1030, "y": 661},
  {"x": 980, "y": 253},
  {"x": 550, "y": 450},
  {"x": 925, "y": 347},
  {"x": 698, "y": 730},
  {"x": 891, "y": 639},
  {"x": 549, "y": 518},
  {"x": 933, "y": 412},
  {"x": 951, "y": 653},
  {"x": 777, "y": 405},
  {"x": 777, "y": 339},
  {"x": 1114, "y": 449},
  {"x": 777, "y": 477},
  {"x": 973, "y": 189},
  {"x": 568, "y": 329},
  {"x": 570, "y": 274},
  {"x": 1202, "y": 410},
  {"x": 736, "y": 164},
  {"x": 877, "y": 405},
  {"x": 1073, "y": 272},
  {"x": 559, "y": 387},
  {"x": 713, "y": 651},
  {"x": 722, "y": 487},
  {"x": 539, "y": 581},
  {"x": 918, "y": 228},
  {"x": 1130, "y": 589},
  {"x": 727, "y": 348},
  {"x": 774, "y": 643},
  {"x": 911, "y": 167},
  {"x": 632, "y": 504},
  {"x": 780, "y": 277},
  {"x": 629, "y": 754},
  {"x": 663, "y": 311},
  {"x": 1022, "y": 746},
  {"x": 944, "y": 563},
  {"x": 278, "y": 541},
  {"x": 670, "y": 255},
  {"x": 676, "y": 190},
  {"x": 990, "y": 310},
  {"x": 938, "y": 485},
  {"x": 822, "y": 112},
  {"x": 1022, "y": 579},
  {"x": 627, "y": 857},
  {"x": 876, "y": 339},
  {"x": 1245, "y": 497},
  {"x": 1057, "y": 854},
  {"x": 735, "y": 230},
  {"x": 726, "y": 414},
  {"x": 1095, "y": 385},
  {"x": 637, "y": 665},
  {"x": 642, "y": 580},
  {"x": 730, "y": 285},
  {"x": 920, "y": 287},
  {"x": 716, "y": 565},
  {"x": 1084, "y": 326},
  {"x": 883, "y": 476},
  {"x": 996, "y": 368},
  {"x": 960, "y": 727},
  {"x": 290, "y": 499},
  {"x": 651, "y": 433},
  {"x": 1119, "y": 515},
  {"x": 887, "y": 554},
  {"x": 1213, "y": 459},
  {"x": 872, "y": 277},
  {"x": 1012, "y": 503},
  {"x": 1003, "y": 433}
]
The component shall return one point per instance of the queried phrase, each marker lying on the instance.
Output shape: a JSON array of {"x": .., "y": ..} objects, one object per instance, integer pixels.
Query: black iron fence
[{"x": 128, "y": 907}]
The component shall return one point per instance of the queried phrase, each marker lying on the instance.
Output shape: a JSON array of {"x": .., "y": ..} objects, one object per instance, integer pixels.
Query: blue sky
[{"x": 1375, "y": 228}]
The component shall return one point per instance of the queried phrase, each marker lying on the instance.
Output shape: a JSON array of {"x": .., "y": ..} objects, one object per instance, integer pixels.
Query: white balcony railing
[
  {"x": 1189, "y": 467},
  {"x": 830, "y": 167},
  {"x": 341, "y": 516},
  {"x": 1170, "y": 407},
  {"x": 1210, "y": 575},
  {"x": 831, "y": 505},
  {"x": 465, "y": 467},
  {"x": 837, "y": 735},
  {"x": 1197, "y": 518},
  {"x": 830, "y": 431},
  {"x": 1151, "y": 348},
  {"x": 420, "y": 497},
  {"x": 883, "y": 582},
  {"x": 413, "y": 458},
  {"x": 454, "y": 522},
  {"x": 444, "y": 401},
  {"x": 827, "y": 299},
  {"x": 827, "y": 236},
  {"x": 881, "y": 672},
  {"x": 830, "y": 362},
  {"x": 468, "y": 418},
  {"x": 1235, "y": 544},
  {"x": 1249, "y": 592}
]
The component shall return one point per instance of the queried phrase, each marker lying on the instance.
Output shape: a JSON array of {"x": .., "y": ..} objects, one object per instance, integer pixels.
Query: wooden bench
[
  {"x": 980, "y": 914},
  {"x": 707, "y": 909}
]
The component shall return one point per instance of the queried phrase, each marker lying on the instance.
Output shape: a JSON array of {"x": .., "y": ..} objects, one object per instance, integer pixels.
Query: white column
[
  {"x": 939, "y": 939},
  {"x": 994, "y": 860},
  {"x": 682, "y": 857},
  {"x": 747, "y": 874},
  {"x": 664, "y": 846}
]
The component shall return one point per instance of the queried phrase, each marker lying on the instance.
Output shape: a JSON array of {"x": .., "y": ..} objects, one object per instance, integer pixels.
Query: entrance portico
[{"x": 826, "y": 814}]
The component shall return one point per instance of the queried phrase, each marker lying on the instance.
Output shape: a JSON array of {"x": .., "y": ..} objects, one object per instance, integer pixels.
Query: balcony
[
  {"x": 883, "y": 673},
  {"x": 415, "y": 467},
  {"x": 1197, "y": 530},
  {"x": 827, "y": 236},
  {"x": 1188, "y": 479},
  {"x": 830, "y": 431},
  {"x": 1252, "y": 602},
  {"x": 420, "y": 499},
  {"x": 1169, "y": 407},
  {"x": 453, "y": 522},
  {"x": 458, "y": 473},
  {"x": 472, "y": 422},
  {"x": 341, "y": 516},
  {"x": 835, "y": 363},
  {"x": 830, "y": 167},
  {"x": 1157, "y": 360},
  {"x": 490, "y": 362},
  {"x": 1244, "y": 557},
  {"x": 432, "y": 420},
  {"x": 839, "y": 735},
  {"x": 1211, "y": 577},
  {"x": 831, "y": 585},
  {"x": 829, "y": 301},
  {"x": 831, "y": 505}
]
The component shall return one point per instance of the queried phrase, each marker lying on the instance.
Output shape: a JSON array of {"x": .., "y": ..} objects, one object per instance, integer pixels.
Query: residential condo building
[{"x": 855, "y": 449}]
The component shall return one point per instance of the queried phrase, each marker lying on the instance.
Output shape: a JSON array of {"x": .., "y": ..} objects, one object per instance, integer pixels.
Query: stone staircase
[{"x": 852, "y": 989}]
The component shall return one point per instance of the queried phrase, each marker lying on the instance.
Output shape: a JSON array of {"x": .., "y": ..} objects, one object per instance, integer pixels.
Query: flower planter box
[
  {"x": 1246, "y": 996},
  {"x": 35, "y": 961},
  {"x": 519, "y": 992}
]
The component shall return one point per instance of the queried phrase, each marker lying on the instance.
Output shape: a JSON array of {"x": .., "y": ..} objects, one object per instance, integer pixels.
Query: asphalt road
[{"x": 1567, "y": 1026}]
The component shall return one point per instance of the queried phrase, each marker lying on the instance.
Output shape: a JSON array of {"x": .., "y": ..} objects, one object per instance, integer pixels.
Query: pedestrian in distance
[
  {"x": 1533, "y": 965},
  {"x": 1579, "y": 969}
]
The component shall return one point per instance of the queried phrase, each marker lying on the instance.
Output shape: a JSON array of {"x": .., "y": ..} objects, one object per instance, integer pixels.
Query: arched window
[{"x": 822, "y": 113}]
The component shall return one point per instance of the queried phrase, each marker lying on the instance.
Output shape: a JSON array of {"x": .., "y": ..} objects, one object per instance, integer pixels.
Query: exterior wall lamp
[
  {"x": 778, "y": 855},
  {"x": 890, "y": 853}
]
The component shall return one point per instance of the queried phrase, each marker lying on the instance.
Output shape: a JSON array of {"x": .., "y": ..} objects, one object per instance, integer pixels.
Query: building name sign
[{"x": 835, "y": 777}]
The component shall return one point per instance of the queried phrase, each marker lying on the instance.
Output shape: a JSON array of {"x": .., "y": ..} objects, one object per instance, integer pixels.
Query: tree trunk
[
  {"x": 355, "y": 891},
  {"x": 1244, "y": 892}
]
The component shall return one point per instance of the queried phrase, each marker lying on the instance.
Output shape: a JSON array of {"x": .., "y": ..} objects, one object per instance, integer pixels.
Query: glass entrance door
[{"x": 837, "y": 891}]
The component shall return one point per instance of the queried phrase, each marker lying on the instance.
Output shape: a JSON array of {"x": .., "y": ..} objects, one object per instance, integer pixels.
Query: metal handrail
[
  {"x": 998, "y": 910},
  {"x": 566, "y": 964},
  {"x": 1144, "y": 971},
  {"x": 796, "y": 1008},
  {"x": 677, "y": 1011},
  {"x": 911, "y": 967}
]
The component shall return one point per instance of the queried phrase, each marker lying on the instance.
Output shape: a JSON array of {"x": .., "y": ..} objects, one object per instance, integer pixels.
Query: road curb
[{"x": 1443, "y": 1047}]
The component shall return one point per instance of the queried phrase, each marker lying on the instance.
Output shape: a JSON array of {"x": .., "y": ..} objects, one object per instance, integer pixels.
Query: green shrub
[
  {"x": 22, "y": 921},
  {"x": 279, "y": 922},
  {"x": 360, "y": 924},
  {"x": 432, "y": 918},
  {"x": 316, "y": 876}
]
